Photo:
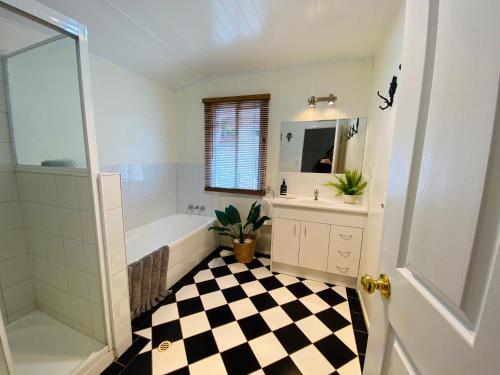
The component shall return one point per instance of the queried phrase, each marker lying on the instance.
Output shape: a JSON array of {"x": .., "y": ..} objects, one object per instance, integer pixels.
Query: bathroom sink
[
  {"x": 325, "y": 204},
  {"x": 319, "y": 202},
  {"x": 288, "y": 196}
]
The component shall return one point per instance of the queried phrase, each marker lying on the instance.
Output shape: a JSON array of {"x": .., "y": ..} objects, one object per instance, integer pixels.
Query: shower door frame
[{"x": 66, "y": 25}]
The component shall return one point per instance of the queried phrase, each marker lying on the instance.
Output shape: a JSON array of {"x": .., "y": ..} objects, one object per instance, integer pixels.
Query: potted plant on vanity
[
  {"x": 243, "y": 234},
  {"x": 349, "y": 186}
]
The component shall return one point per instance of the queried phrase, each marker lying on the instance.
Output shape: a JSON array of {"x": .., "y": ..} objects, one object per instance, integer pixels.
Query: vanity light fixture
[{"x": 313, "y": 100}]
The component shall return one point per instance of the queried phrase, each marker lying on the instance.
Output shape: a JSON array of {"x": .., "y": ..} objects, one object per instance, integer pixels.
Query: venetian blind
[{"x": 236, "y": 143}]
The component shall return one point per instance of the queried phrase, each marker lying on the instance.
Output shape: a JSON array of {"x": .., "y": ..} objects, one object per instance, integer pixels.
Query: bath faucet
[{"x": 316, "y": 193}]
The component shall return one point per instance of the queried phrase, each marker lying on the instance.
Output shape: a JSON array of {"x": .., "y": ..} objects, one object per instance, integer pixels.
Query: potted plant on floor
[
  {"x": 350, "y": 186},
  {"x": 243, "y": 234}
]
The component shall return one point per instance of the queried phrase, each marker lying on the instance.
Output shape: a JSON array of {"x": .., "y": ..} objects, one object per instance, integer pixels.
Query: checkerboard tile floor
[{"x": 230, "y": 318}]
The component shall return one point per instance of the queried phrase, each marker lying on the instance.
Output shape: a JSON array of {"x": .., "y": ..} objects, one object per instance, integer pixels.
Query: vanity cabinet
[
  {"x": 314, "y": 240},
  {"x": 286, "y": 243},
  {"x": 315, "y": 243},
  {"x": 344, "y": 250}
]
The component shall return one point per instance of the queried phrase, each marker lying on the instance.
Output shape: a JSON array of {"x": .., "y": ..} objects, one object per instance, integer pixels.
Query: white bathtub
[{"x": 186, "y": 235}]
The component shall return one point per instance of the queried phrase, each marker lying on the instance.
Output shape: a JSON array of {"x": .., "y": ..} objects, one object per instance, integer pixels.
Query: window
[{"x": 236, "y": 143}]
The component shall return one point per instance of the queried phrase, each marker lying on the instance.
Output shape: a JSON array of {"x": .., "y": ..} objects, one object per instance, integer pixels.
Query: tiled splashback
[
  {"x": 152, "y": 191},
  {"x": 190, "y": 189},
  {"x": 149, "y": 191}
]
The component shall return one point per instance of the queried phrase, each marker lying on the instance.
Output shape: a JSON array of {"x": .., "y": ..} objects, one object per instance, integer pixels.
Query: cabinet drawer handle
[
  {"x": 305, "y": 231},
  {"x": 345, "y": 236},
  {"x": 345, "y": 254},
  {"x": 342, "y": 269},
  {"x": 294, "y": 229}
]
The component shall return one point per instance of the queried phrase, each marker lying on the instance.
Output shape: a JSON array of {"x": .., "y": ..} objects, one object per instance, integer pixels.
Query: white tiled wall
[
  {"x": 16, "y": 291},
  {"x": 114, "y": 243},
  {"x": 149, "y": 191},
  {"x": 61, "y": 242},
  {"x": 190, "y": 189}
]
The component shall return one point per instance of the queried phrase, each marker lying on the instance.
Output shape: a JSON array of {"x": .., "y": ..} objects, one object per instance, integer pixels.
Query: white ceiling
[{"x": 181, "y": 41}]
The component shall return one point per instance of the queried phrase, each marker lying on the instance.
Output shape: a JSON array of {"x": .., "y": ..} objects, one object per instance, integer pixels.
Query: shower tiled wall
[
  {"x": 61, "y": 241},
  {"x": 149, "y": 191},
  {"x": 190, "y": 189},
  {"x": 16, "y": 291}
]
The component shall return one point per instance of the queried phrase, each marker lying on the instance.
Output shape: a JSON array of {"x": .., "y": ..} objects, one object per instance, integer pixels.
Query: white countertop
[{"x": 320, "y": 204}]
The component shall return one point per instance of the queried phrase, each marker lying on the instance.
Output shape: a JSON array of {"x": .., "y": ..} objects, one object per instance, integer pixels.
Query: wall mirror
[{"x": 328, "y": 146}]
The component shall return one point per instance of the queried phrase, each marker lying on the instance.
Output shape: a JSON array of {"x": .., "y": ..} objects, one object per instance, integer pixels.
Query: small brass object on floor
[{"x": 164, "y": 345}]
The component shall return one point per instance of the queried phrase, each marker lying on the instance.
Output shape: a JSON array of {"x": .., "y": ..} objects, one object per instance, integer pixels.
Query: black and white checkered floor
[{"x": 227, "y": 317}]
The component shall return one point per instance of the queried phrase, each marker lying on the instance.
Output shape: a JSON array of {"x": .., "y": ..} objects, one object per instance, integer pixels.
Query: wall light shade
[{"x": 312, "y": 101}]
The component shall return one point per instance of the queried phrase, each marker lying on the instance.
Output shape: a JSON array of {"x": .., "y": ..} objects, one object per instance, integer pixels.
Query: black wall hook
[
  {"x": 348, "y": 134},
  {"x": 392, "y": 91}
]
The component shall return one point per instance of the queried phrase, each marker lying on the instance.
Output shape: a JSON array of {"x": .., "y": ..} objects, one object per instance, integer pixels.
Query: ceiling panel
[{"x": 181, "y": 41}]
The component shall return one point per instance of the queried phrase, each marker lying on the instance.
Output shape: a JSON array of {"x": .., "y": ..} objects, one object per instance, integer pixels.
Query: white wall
[
  {"x": 378, "y": 146},
  {"x": 289, "y": 88},
  {"x": 134, "y": 116},
  {"x": 135, "y": 128}
]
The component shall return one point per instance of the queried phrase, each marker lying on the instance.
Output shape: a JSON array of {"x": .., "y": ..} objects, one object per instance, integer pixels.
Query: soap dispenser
[{"x": 283, "y": 188}]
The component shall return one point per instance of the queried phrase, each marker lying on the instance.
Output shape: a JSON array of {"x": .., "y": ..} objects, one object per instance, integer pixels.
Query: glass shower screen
[{"x": 45, "y": 107}]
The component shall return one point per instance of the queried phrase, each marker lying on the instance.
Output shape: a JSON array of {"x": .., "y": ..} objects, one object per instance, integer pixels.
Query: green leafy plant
[
  {"x": 231, "y": 225},
  {"x": 350, "y": 184}
]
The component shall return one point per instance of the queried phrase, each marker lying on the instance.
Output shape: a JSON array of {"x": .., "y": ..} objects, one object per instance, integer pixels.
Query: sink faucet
[
  {"x": 316, "y": 193},
  {"x": 268, "y": 189}
]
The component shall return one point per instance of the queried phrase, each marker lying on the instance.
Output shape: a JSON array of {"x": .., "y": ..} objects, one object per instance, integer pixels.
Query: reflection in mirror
[
  {"x": 350, "y": 145},
  {"x": 307, "y": 146},
  {"x": 317, "y": 146}
]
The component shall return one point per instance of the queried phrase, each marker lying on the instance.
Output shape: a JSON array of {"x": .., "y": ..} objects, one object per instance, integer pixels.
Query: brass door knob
[{"x": 383, "y": 285}]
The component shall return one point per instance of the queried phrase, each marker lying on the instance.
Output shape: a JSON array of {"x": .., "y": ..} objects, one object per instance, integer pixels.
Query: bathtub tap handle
[{"x": 202, "y": 208}]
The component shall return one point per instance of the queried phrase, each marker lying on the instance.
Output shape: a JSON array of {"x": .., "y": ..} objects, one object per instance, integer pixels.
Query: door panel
[
  {"x": 286, "y": 241},
  {"x": 314, "y": 241},
  {"x": 455, "y": 150},
  {"x": 441, "y": 229}
]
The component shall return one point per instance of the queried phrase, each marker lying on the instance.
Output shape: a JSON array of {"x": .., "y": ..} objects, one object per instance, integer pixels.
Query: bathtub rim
[{"x": 209, "y": 221}]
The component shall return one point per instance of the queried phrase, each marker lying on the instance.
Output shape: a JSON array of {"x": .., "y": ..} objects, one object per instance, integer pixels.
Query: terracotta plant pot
[{"x": 244, "y": 253}]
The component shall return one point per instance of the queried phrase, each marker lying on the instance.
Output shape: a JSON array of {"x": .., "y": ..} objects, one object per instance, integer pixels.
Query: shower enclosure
[{"x": 52, "y": 274}]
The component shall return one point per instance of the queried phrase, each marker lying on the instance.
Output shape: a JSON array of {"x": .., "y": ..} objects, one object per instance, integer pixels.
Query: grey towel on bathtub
[{"x": 147, "y": 279}]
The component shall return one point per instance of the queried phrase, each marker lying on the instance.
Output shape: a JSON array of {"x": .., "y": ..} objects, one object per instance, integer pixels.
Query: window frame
[{"x": 210, "y": 104}]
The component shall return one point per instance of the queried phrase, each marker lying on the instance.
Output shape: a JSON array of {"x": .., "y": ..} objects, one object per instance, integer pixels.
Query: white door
[
  {"x": 440, "y": 240},
  {"x": 286, "y": 235},
  {"x": 314, "y": 240}
]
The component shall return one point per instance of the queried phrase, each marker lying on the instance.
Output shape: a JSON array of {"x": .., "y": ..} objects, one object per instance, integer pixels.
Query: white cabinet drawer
[
  {"x": 346, "y": 234},
  {"x": 343, "y": 267},
  {"x": 344, "y": 251}
]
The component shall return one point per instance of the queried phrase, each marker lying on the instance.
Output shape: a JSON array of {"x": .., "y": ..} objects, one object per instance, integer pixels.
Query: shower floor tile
[{"x": 229, "y": 318}]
